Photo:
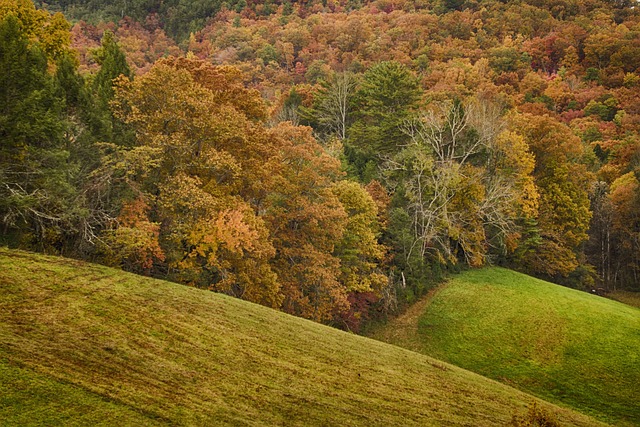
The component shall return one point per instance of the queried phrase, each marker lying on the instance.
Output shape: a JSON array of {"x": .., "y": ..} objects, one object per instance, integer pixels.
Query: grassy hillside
[
  {"x": 88, "y": 345},
  {"x": 566, "y": 346}
]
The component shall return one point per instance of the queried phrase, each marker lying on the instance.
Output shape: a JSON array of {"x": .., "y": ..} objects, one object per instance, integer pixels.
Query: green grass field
[
  {"x": 83, "y": 344},
  {"x": 563, "y": 345}
]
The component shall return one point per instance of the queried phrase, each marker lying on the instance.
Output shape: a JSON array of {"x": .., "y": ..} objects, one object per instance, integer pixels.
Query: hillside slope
[
  {"x": 566, "y": 346},
  {"x": 84, "y": 344}
]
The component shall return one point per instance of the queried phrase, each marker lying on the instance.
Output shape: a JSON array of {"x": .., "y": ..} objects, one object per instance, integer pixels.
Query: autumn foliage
[{"x": 330, "y": 159}]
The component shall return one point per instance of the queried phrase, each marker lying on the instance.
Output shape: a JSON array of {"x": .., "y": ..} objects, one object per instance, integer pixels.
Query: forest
[{"x": 331, "y": 159}]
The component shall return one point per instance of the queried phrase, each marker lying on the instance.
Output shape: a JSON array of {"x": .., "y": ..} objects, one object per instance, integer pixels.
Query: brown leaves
[{"x": 306, "y": 220}]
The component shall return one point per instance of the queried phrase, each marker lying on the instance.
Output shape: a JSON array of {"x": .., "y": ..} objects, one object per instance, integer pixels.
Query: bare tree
[
  {"x": 458, "y": 198},
  {"x": 333, "y": 106}
]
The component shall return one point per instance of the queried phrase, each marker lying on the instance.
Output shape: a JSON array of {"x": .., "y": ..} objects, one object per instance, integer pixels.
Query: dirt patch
[{"x": 403, "y": 330}]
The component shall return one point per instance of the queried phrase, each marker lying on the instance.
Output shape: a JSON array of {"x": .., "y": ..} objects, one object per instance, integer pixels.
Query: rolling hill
[
  {"x": 83, "y": 344},
  {"x": 560, "y": 344}
]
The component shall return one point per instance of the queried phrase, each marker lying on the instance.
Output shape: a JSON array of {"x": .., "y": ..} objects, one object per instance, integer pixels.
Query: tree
[
  {"x": 466, "y": 182},
  {"x": 195, "y": 190},
  {"x": 35, "y": 173},
  {"x": 222, "y": 202},
  {"x": 359, "y": 252},
  {"x": 600, "y": 247},
  {"x": 113, "y": 64},
  {"x": 333, "y": 106},
  {"x": 625, "y": 200},
  {"x": 49, "y": 123},
  {"x": 50, "y": 32},
  {"x": 387, "y": 96},
  {"x": 563, "y": 183},
  {"x": 307, "y": 220}
]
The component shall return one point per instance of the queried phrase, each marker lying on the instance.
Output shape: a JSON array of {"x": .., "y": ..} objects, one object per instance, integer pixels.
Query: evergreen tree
[
  {"x": 386, "y": 98},
  {"x": 35, "y": 173},
  {"x": 113, "y": 64}
]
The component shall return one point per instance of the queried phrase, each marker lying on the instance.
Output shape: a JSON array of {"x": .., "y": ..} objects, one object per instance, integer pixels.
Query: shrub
[{"x": 536, "y": 416}]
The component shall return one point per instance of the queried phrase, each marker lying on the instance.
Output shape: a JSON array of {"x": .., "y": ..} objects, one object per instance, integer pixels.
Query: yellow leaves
[
  {"x": 627, "y": 183},
  {"x": 562, "y": 182},
  {"x": 198, "y": 120},
  {"x": 234, "y": 243},
  {"x": 163, "y": 101},
  {"x": 529, "y": 197},
  {"x": 182, "y": 197},
  {"x": 359, "y": 251},
  {"x": 243, "y": 209},
  {"x": 52, "y": 32},
  {"x": 127, "y": 165},
  {"x": 55, "y": 36},
  {"x": 225, "y": 83},
  {"x": 516, "y": 152},
  {"x": 521, "y": 162},
  {"x": 623, "y": 195},
  {"x": 212, "y": 222},
  {"x": 466, "y": 208},
  {"x": 198, "y": 132}
]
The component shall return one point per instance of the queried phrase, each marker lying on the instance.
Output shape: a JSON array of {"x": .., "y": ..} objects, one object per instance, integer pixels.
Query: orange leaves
[
  {"x": 217, "y": 241},
  {"x": 135, "y": 242},
  {"x": 243, "y": 209},
  {"x": 210, "y": 229},
  {"x": 233, "y": 232},
  {"x": 624, "y": 196},
  {"x": 197, "y": 117},
  {"x": 240, "y": 208},
  {"x": 381, "y": 199},
  {"x": 225, "y": 83},
  {"x": 306, "y": 220}
]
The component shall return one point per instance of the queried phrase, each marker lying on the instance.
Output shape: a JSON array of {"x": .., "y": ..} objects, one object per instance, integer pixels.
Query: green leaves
[
  {"x": 35, "y": 173},
  {"x": 386, "y": 97}
]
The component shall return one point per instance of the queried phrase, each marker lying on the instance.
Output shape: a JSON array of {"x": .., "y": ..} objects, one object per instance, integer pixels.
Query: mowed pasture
[
  {"x": 83, "y": 344},
  {"x": 566, "y": 346}
]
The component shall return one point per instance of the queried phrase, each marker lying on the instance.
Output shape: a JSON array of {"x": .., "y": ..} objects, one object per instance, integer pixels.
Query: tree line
[{"x": 340, "y": 197}]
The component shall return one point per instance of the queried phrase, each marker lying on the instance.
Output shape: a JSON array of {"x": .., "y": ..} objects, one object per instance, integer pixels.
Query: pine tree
[
  {"x": 385, "y": 99},
  {"x": 35, "y": 174},
  {"x": 113, "y": 64}
]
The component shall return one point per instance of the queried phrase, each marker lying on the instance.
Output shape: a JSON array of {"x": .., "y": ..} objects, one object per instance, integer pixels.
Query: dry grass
[
  {"x": 105, "y": 345},
  {"x": 625, "y": 297}
]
